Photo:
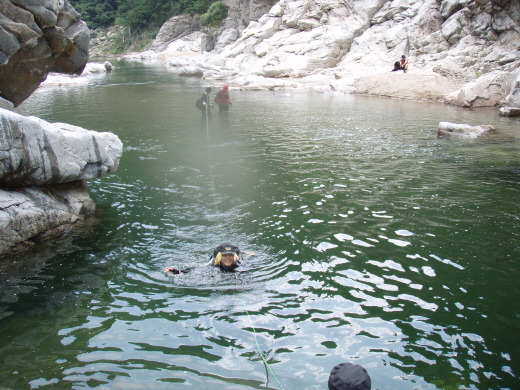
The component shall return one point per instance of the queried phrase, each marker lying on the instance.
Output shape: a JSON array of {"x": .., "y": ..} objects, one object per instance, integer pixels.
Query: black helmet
[
  {"x": 226, "y": 248},
  {"x": 348, "y": 376}
]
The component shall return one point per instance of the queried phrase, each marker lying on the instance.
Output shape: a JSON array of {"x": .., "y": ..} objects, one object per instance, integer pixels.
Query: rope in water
[
  {"x": 264, "y": 360},
  {"x": 267, "y": 366},
  {"x": 210, "y": 162}
]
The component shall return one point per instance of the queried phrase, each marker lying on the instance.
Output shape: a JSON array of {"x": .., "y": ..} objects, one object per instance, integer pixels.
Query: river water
[{"x": 369, "y": 240}]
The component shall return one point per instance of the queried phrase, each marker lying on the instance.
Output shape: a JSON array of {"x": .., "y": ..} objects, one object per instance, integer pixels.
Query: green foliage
[
  {"x": 140, "y": 15},
  {"x": 96, "y": 13},
  {"x": 216, "y": 13},
  {"x": 198, "y": 7},
  {"x": 120, "y": 43}
]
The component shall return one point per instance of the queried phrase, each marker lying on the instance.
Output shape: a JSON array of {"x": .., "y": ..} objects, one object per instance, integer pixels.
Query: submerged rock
[
  {"x": 464, "y": 130},
  {"x": 509, "y": 111}
]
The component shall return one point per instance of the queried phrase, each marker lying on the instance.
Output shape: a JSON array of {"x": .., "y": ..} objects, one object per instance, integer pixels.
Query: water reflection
[{"x": 373, "y": 241}]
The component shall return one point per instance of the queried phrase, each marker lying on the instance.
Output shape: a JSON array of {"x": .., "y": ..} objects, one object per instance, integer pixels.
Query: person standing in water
[
  {"x": 223, "y": 100},
  {"x": 205, "y": 101}
]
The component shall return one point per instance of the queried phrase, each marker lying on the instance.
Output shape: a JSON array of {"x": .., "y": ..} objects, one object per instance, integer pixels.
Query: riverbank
[{"x": 463, "y": 55}]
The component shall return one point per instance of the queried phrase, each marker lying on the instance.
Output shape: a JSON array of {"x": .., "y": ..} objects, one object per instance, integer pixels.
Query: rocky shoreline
[{"x": 461, "y": 52}]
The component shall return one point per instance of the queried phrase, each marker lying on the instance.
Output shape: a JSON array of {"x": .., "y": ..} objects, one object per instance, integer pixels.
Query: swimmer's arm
[{"x": 176, "y": 271}]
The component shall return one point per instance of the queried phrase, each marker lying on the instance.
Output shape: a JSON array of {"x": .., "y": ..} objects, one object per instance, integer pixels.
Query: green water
[{"x": 371, "y": 241}]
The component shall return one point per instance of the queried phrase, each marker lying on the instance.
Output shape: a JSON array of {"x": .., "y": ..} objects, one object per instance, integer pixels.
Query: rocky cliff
[
  {"x": 35, "y": 39},
  {"x": 464, "y": 52},
  {"x": 44, "y": 166}
]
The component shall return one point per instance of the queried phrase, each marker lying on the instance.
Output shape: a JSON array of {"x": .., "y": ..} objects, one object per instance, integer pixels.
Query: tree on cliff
[{"x": 138, "y": 15}]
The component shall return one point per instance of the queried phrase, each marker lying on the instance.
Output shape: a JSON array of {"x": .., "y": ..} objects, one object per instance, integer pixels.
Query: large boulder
[
  {"x": 35, "y": 39},
  {"x": 486, "y": 91},
  {"x": 43, "y": 170},
  {"x": 513, "y": 99},
  {"x": 174, "y": 29},
  {"x": 32, "y": 215},
  {"x": 35, "y": 152}
]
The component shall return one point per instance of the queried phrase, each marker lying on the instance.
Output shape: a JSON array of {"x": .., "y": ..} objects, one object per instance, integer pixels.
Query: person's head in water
[
  {"x": 348, "y": 376},
  {"x": 226, "y": 256}
]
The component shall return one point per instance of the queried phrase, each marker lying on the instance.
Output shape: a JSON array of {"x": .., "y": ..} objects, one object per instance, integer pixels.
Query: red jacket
[{"x": 222, "y": 97}]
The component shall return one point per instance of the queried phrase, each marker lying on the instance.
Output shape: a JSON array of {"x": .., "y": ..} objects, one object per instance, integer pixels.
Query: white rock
[
  {"x": 447, "y": 128},
  {"x": 91, "y": 70},
  {"x": 36, "y": 152},
  {"x": 509, "y": 111},
  {"x": 33, "y": 214},
  {"x": 487, "y": 91}
]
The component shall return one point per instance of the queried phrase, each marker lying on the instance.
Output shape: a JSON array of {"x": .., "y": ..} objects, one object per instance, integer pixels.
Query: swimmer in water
[{"x": 226, "y": 256}]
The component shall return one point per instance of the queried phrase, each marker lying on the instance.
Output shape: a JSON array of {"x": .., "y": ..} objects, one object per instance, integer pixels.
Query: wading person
[
  {"x": 226, "y": 256},
  {"x": 401, "y": 65},
  {"x": 223, "y": 100},
  {"x": 204, "y": 103}
]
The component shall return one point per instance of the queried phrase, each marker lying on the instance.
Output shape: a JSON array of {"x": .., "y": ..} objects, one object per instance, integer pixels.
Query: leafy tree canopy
[
  {"x": 216, "y": 13},
  {"x": 141, "y": 15}
]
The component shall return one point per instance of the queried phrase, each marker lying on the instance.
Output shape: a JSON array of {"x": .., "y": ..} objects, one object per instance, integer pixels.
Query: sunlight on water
[{"x": 368, "y": 239}]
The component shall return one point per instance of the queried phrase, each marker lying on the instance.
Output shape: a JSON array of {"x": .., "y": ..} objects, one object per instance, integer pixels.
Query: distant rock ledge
[{"x": 464, "y": 53}]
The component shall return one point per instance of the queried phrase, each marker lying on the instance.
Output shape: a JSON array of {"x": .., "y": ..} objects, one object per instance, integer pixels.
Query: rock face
[
  {"x": 43, "y": 169},
  {"x": 197, "y": 38},
  {"x": 511, "y": 104},
  {"x": 44, "y": 166},
  {"x": 34, "y": 152},
  {"x": 31, "y": 215},
  {"x": 35, "y": 39},
  {"x": 344, "y": 44}
]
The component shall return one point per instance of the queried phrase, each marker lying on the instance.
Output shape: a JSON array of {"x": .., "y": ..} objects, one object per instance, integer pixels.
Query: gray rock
[
  {"x": 37, "y": 38},
  {"x": 241, "y": 12},
  {"x": 509, "y": 111},
  {"x": 447, "y": 128},
  {"x": 35, "y": 152},
  {"x": 35, "y": 214},
  {"x": 486, "y": 91},
  {"x": 6, "y": 104},
  {"x": 513, "y": 99}
]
